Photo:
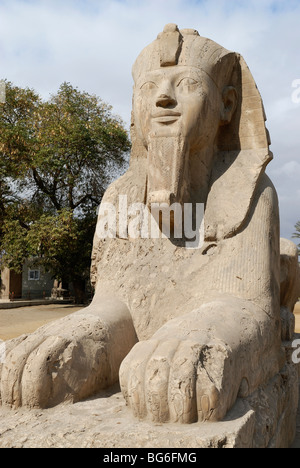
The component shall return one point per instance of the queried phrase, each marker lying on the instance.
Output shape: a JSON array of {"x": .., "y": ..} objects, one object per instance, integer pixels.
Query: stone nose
[
  {"x": 166, "y": 97},
  {"x": 164, "y": 100}
]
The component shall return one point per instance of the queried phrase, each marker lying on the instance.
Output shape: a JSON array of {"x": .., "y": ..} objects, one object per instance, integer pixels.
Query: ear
[{"x": 229, "y": 103}]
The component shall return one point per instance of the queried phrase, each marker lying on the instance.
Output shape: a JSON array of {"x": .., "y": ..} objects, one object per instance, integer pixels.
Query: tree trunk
[{"x": 79, "y": 290}]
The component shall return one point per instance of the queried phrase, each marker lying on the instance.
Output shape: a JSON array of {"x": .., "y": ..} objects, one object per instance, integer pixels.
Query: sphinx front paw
[
  {"x": 66, "y": 360},
  {"x": 178, "y": 381}
]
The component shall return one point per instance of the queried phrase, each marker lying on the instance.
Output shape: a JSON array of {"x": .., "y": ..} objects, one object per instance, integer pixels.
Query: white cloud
[
  {"x": 290, "y": 169},
  {"x": 93, "y": 44}
]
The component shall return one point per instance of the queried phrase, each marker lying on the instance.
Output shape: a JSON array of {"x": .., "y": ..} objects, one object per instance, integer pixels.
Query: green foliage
[
  {"x": 56, "y": 160},
  {"x": 17, "y": 116},
  {"x": 77, "y": 142},
  {"x": 60, "y": 243},
  {"x": 296, "y": 235}
]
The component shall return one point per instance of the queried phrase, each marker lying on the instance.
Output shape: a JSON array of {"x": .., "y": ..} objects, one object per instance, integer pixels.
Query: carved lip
[
  {"x": 166, "y": 113},
  {"x": 166, "y": 116}
]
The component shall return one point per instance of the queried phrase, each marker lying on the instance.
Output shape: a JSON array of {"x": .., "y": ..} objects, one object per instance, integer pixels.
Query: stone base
[
  {"x": 266, "y": 419},
  {"x": 275, "y": 407},
  {"x": 106, "y": 422}
]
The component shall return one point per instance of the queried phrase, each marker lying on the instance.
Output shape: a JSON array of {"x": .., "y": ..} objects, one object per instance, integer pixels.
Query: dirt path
[{"x": 16, "y": 322}]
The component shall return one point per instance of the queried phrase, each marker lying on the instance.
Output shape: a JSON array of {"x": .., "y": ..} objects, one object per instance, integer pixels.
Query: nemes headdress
[
  {"x": 183, "y": 48},
  {"x": 242, "y": 146}
]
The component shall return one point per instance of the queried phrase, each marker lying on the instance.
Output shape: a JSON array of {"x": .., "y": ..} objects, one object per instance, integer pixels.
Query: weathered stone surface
[
  {"x": 289, "y": 286},
  {"x": 106, "y": 422},
  {"x": 67, "y": 359}
]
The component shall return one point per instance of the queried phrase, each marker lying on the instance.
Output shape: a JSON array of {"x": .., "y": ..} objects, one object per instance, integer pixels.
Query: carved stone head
[
  {"x": 179, "y": 79},
  {"x": 199, "y": 124}
]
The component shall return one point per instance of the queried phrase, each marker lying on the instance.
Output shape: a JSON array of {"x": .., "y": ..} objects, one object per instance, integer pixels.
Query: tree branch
[{"x": 51, "y": 194}]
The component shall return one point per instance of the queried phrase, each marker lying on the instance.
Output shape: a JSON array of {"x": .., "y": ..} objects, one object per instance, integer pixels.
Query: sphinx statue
[{"x": 186, "y": 331}]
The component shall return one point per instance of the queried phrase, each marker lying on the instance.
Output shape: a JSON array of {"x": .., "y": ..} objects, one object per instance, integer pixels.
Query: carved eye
[
  {"x": 188, "y": 84},
  {"x": 148, "y": 86}
]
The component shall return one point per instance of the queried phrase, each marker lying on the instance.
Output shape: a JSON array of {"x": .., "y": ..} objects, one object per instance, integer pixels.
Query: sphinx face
[
  {"x": 177, "y": 116},
  {"x": 177, "y": 101}
]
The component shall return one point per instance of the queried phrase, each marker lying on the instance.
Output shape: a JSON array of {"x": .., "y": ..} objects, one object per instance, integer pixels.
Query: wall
[
  {"x": 11, "y": 284},
  {"x": 5, "y": 283},
  {"x": 36, "y": 289}
]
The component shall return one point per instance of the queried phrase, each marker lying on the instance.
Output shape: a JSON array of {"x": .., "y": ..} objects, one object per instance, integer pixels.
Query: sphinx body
[
  {"x": 222, "y": 301},
  {"x": 189, "y": 329}
]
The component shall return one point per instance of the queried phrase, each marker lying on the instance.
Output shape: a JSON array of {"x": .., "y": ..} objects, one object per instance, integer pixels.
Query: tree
[
  {"x": 59, "y": 157},
  {"x": 77, "y": 144},
  {"x": 16, "y": 118},
  {"x": 296, "y": 235}
]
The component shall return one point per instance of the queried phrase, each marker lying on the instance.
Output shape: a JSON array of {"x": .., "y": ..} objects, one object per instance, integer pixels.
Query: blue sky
[{"x": 93, "y": 44}]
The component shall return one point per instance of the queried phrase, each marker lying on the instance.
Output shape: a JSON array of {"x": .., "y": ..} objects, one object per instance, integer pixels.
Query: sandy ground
[{"x": 16, "y": 322}]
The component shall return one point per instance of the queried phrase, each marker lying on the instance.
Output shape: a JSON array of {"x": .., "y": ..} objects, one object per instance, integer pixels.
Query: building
[
  {"x": 11, "y": 284},
  {"x": 36, "y": 283},
  {"x": 32, "y": 283}
]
